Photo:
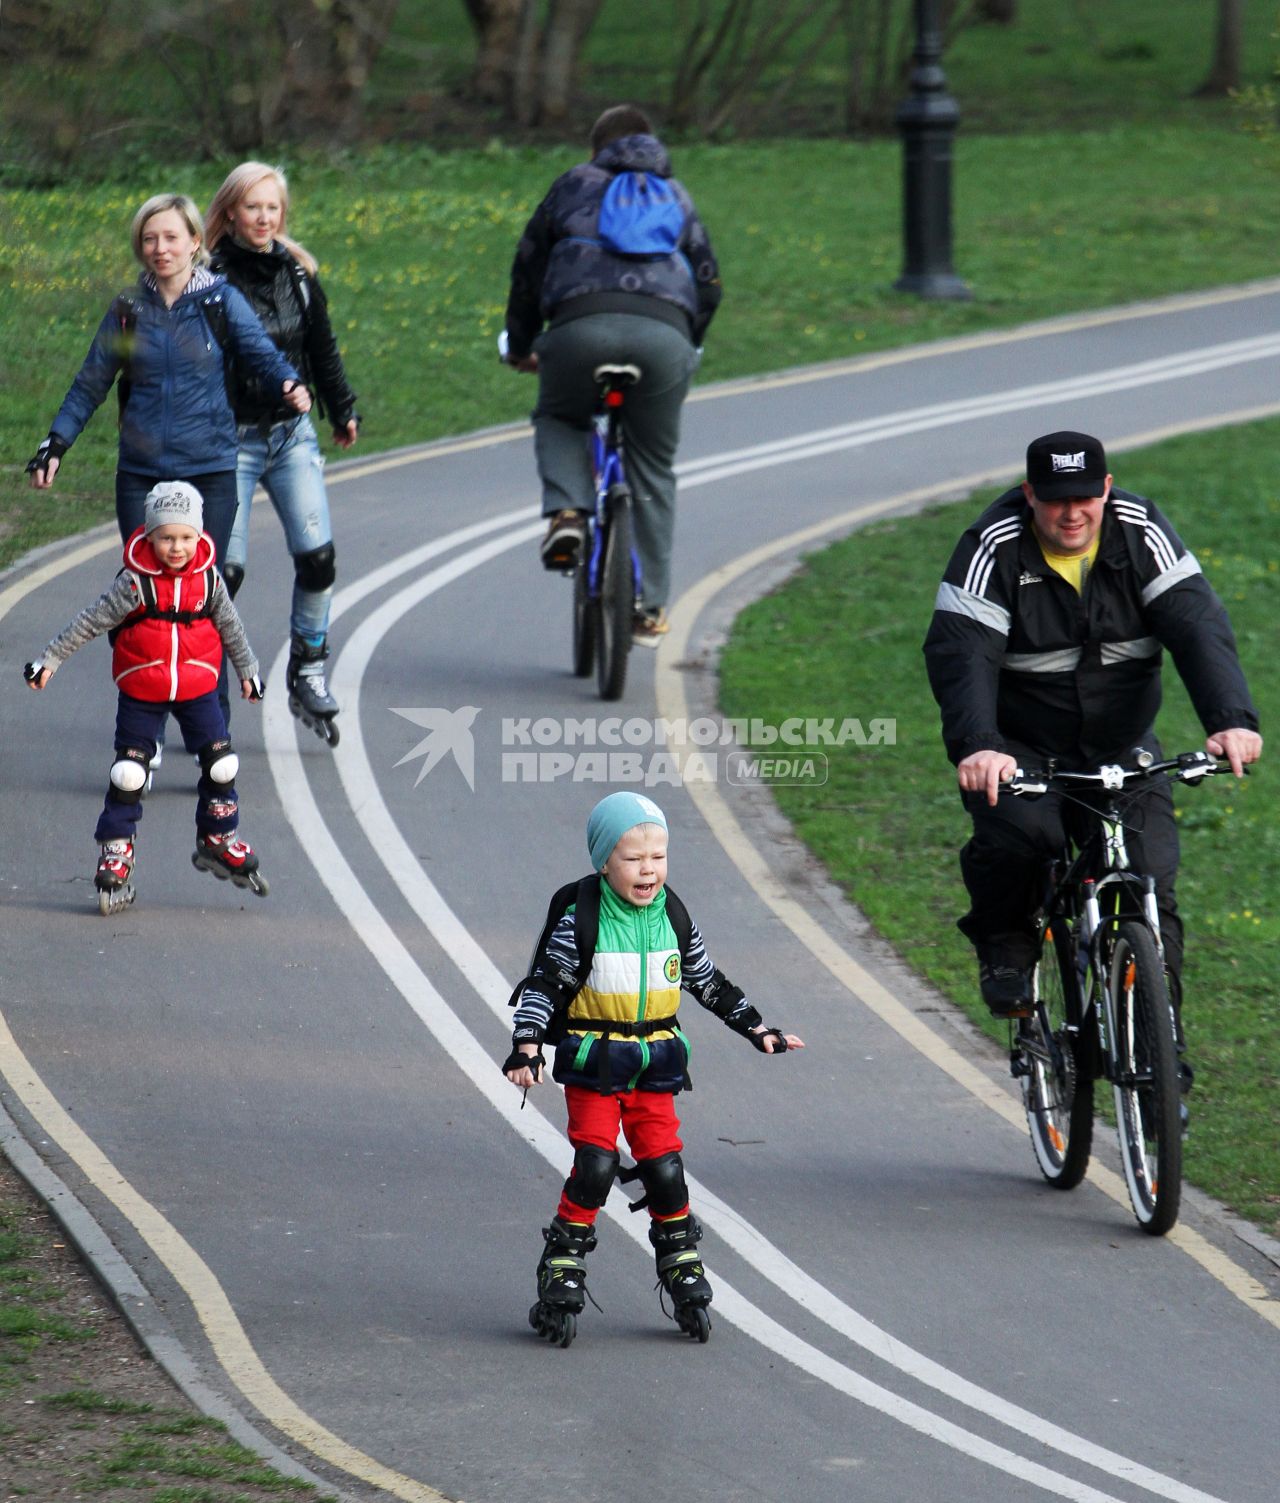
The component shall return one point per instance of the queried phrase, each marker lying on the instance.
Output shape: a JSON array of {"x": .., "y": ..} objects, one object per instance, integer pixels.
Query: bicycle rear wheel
[
  {"x": 1056, "y": 1073},
  {"x": 617, "y": 599},
  {"x": 1145, "y": 1079},
  {"x": 584, "y": 616}
]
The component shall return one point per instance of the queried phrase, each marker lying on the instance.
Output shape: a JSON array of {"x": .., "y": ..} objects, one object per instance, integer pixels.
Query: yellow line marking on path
[
  {"x": 227, "y": 1337},
  {"x": 673, "y": 707}
]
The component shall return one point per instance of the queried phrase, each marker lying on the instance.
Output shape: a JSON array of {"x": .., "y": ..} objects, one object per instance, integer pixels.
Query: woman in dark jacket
[
  {"x": 278, "y": 448},
  {"x": 168, "y": 340}
]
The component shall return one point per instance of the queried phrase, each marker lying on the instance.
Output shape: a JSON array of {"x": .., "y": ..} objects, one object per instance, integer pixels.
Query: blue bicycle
[{"x": 606, "y": 582}]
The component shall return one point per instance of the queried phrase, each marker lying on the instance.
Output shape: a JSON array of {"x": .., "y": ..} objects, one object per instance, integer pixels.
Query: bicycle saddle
[{"x": 618, "y": 375}]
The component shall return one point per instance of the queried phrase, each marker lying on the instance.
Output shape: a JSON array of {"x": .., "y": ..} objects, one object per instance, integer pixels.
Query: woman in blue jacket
[{"x": 169, "y": 340}]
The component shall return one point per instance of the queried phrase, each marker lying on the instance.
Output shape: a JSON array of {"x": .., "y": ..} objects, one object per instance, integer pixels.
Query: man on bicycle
[
  {"x": 647, "y": 305},
  {"x": 1046, "y": 642}
]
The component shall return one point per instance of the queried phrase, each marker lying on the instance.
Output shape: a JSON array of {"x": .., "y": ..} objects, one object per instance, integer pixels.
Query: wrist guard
[
  {"x": 51, "y": 448},
  {"x": 780, "y": 1041},
  {"x": 517, "y": 1061}
]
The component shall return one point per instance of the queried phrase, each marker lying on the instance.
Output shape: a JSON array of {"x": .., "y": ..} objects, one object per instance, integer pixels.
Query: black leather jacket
[{"x": 293, "y": 310}]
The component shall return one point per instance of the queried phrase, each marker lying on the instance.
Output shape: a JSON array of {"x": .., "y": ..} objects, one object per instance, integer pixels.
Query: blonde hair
[
  {"x": 234, "y": 187},
  {"x": 159, "y": 203}
]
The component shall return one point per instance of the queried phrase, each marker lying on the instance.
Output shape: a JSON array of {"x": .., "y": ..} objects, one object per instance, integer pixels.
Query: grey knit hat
[{"x": 173, "y": 501}]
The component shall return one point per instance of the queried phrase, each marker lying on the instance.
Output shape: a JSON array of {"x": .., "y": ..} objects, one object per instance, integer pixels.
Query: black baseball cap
[{"x": 1066, "y": 464}]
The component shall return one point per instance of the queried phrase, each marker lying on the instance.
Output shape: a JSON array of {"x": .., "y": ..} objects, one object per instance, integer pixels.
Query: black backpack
[{"x": 583, "y": 896}]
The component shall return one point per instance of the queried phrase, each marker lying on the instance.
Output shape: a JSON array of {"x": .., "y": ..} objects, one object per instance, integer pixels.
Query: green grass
[
  {"x": 26, "y": 1321},
  {"x": 843, "y": 638},
  {"x": 415, "y": 247}
]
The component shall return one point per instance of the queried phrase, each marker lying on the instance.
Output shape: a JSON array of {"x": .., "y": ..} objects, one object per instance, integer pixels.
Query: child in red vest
[{"x": 169, "y": 617}]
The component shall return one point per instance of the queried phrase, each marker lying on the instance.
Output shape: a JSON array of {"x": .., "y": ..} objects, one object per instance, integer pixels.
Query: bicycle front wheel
[
  {"x": 1057, "y": 1082},
  {"x": 1145, "y": 1079},
  {"x": 584, "y": 616},
  {"x": 617, "y": 599}
]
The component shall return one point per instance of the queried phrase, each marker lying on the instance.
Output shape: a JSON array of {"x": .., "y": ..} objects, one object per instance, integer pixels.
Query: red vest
[{"x": 168, "y": 649}]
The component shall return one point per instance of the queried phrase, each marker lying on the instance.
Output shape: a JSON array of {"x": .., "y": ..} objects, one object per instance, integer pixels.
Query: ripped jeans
[{"x": 288, "y": 462}]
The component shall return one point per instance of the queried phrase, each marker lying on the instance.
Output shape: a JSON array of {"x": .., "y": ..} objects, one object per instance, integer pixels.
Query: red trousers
[{"x": 648, "y": 1122}]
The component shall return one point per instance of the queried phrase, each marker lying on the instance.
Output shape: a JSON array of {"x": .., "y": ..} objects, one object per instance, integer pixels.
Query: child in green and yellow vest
[{"x": 621, "y": 1055}]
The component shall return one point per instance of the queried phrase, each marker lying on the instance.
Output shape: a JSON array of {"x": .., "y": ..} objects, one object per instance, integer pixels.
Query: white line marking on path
[
  {"x": 385, "y": 838},
  {"x": 477, "y": 1063}
]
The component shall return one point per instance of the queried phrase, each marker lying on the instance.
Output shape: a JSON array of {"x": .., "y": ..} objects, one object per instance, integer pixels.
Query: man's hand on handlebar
[
  {"x": 1237, "y": 745},
  {"x": 984, "y": 771}
]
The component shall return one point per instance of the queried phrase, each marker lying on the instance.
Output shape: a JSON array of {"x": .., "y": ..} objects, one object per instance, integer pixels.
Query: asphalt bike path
[{"x": 287, "y": 1113}]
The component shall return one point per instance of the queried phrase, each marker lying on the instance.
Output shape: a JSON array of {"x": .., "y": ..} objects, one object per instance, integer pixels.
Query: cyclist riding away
[
  {"x": 617, "y": 265},
  {"x": 1046, "y": 642}
]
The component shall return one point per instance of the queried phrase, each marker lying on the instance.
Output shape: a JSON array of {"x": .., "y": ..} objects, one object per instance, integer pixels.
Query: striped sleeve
[{"x": 535, "y": 1008}]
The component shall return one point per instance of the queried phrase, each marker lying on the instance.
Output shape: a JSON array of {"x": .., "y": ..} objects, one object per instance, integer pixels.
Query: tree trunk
[
  {"x": 326, "y": 65},
  {"x": 1224, "y": 71},
  {"x": 498, "y": 26},
  {"x": 566, "y": 30}
]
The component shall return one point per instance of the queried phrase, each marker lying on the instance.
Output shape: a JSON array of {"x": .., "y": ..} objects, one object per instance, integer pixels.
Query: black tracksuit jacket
[{"x": 1015, "y": 655}]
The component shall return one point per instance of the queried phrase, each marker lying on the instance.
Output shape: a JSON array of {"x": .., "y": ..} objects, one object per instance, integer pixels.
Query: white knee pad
[
  {"x": 128, "y": 776},
  {"x": 224, "y": 768}
]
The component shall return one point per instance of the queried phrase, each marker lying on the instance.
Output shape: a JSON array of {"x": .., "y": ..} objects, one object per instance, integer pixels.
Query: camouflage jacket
[{"x": 559, "y": 258}]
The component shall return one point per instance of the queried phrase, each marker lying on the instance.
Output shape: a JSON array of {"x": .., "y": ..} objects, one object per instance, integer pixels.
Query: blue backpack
[{"x": 640, "y": 215}]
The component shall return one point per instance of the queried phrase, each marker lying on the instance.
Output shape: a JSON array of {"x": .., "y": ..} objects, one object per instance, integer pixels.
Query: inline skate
[
  {"x": 681, "y": 1274},
  {"x": 309, "y": 697},
  {"x": 562, "y": 1280},
  {"x": 229, "y": 856},
  {"x": 114, "y": 877}
]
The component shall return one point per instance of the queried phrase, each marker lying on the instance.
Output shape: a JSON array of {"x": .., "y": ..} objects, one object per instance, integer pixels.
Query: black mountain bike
[
  {"x": 1102, "y": 1008},
  {"x": 606, "y": 583}
]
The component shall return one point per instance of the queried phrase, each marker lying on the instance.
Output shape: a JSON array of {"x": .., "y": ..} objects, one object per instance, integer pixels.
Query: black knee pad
[
  {"x": 592, "y": 1178},
  {"x": 316, "y": 570},
  {"x": 218, "y": 761},
  {"x": 233, "y": 578},
  {"x": 663, "y": 1181},
  {"x": 129, "y": 774}
]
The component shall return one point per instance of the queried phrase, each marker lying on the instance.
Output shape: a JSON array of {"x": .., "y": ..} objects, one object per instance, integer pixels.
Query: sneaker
[
  {"x": 649, "y": 627},
  {"x": 1006, "y": 988},
  {"x": 562, "y": 546}
]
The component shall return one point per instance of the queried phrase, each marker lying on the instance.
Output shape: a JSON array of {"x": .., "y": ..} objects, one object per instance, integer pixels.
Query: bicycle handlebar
[{"x": 1187, "y": 767}]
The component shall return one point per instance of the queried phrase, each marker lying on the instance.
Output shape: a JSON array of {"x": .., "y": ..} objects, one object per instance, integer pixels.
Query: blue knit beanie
[{"x": 612, "y": 817}]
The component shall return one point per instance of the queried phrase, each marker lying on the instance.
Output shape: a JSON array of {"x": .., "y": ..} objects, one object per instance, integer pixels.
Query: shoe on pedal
[
  {"x": 649, "y": 627},
  {"x": 562, "y": 546},
  {"x": 1005, "y": 983}
]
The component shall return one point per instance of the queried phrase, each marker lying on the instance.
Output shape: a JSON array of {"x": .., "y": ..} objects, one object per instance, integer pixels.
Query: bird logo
[{"x": 447, "y": 731}]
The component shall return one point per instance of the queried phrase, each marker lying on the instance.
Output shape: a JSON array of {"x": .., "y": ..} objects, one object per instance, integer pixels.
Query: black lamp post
[{"x": 928, "y": 118}]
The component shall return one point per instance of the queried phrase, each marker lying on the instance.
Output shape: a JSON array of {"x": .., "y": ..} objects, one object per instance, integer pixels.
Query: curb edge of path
[{"x": 139, "y": 1309}]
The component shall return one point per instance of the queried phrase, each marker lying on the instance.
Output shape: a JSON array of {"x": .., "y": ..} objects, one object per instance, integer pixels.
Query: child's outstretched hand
[
  {"x": 773, "y": 1040},
  {"x": 38, "y": 674}
]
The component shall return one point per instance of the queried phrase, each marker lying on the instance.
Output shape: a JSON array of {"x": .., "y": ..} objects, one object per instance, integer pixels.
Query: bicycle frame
[
  {"x": 607, "y": 468},
  {"x": 1105, "y": 853},
  {"x": 1100, "y": 872}
]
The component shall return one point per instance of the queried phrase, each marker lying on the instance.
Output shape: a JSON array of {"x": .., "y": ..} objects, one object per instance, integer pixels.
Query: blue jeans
[
  {"x": 288, "y": 462},
  {"x": 218, "y": 491},
  {"x": 140, "y": 727}
]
